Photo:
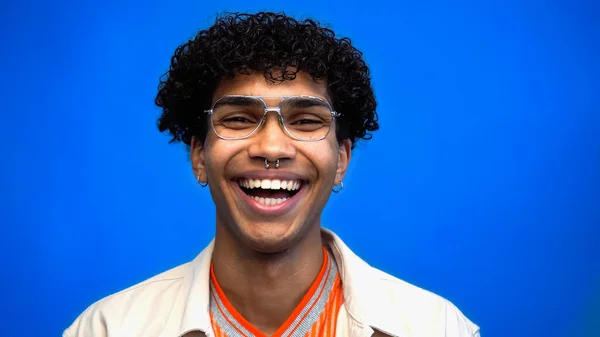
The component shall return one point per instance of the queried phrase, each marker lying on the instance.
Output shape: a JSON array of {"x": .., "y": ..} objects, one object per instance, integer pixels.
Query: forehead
[{"x": 257, "y": 85}]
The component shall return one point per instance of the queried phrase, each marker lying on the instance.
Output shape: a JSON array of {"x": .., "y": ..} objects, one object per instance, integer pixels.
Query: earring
[
  {"x": 338, "y": 190},
  {"x": 202, "y": 183}
]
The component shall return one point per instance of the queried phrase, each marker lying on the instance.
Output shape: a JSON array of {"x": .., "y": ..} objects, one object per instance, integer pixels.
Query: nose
[{"x": 271, "y": 141}]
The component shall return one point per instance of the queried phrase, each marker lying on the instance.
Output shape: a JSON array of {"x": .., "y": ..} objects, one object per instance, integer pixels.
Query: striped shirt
[{"x": 315, "y": 315}]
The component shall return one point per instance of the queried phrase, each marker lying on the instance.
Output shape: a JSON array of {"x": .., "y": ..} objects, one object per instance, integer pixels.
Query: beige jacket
[{"x": 175, "y": 304}]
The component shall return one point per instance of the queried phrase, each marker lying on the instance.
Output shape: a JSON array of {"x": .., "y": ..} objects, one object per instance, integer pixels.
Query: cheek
[
  {"x": 217, "y": 153},
  {"x": 222, "y": 156},
  {"x": 324, "y": 157}
]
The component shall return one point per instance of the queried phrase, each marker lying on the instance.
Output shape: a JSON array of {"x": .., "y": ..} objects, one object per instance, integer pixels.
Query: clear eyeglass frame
[{"x": 276, "y": 109}]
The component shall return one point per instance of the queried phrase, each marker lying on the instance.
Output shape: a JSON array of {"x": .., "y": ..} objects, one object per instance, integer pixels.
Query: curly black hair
[{"x": 278, "y": 46}]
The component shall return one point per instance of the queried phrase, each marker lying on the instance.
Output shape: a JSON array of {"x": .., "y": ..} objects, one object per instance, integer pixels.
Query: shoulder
[
  {"x": 417, "y": 310},
  {"x": 394, "y": 306},
  {"x": 147, "y": 302}
]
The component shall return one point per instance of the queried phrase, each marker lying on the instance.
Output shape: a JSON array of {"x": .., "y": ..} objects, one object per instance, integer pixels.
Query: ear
[
  {"x": 344, "y": 156},
  {"x": 197, "y": 157}
]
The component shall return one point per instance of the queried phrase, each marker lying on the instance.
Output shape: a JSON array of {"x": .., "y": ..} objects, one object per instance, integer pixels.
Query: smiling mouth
[{"x": 270, "y": 192}]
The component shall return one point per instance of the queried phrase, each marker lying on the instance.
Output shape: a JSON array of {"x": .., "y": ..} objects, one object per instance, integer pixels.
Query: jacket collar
[{"x": 367, "y": 304}]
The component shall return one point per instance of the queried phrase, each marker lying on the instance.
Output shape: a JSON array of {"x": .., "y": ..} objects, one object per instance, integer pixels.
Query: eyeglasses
[{"x": 304, "y": 118}]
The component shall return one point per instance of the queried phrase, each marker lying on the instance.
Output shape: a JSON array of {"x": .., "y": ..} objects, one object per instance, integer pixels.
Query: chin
[{"x": 268, "y": 240}]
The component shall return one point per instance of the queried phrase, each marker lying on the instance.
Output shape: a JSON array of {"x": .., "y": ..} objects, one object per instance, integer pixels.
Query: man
[{"x": 270, "y": 109}]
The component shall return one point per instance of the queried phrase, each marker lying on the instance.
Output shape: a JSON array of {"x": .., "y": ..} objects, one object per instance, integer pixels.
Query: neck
[{"x": 266, "y": 288}]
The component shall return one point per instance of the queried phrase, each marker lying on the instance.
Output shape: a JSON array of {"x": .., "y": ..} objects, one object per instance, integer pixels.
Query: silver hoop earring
[
  {"x": 201, "y": 183},
  {"x": 338, "y": 190}
]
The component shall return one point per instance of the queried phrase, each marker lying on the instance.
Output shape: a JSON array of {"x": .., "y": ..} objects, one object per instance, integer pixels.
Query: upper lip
[{"x": 281, "y": 175}]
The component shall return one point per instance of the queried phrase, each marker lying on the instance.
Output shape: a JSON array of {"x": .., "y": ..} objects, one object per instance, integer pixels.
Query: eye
[
  {"x": 308, "y": 121},
  {"x": 236, "y": 119},
  {"x": 306, "y": 118}
]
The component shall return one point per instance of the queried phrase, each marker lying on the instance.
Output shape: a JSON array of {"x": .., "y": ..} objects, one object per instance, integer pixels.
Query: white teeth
[
  {"x": 265, "y": 184},
  {"x": 268, "y": 184},
  {"x": 275, "y": 184},
  {"x": 270, "y": 201}
]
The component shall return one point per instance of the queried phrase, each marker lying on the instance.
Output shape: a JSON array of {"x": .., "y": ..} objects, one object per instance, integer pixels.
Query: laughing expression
[{"x": 269, "y": 210}]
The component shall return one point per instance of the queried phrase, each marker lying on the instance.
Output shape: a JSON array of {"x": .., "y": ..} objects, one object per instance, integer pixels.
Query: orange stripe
[
  {"x": 216, "y": 328},
  {"x": 218, "y": 331},
  {"x": 311, "y": 332},
  {"x": 330, "y": 321},
  {"x": 332, "y": 318},
  {"x": 323, "y": 321},
  {"x": 221, "y": 333},
  {"x": 327, "y": 314},
  {"x": 338, "y": 303},
  {"x": 317, "y": 326}
]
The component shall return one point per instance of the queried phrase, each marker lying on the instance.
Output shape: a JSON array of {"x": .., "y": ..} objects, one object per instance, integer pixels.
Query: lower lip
[{"x": 272, "y": 210}]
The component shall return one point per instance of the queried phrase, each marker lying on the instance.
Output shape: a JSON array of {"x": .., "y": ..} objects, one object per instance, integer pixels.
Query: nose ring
[{"x": 267, "y": 163}]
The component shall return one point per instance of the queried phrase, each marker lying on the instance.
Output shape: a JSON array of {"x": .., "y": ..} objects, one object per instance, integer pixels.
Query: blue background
[{"x": 483, "y": 184}]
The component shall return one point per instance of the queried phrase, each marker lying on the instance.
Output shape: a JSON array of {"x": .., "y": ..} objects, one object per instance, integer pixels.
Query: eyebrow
[
  {"x": 237, "y": 100},
  {"x": 303, "y": 102}
]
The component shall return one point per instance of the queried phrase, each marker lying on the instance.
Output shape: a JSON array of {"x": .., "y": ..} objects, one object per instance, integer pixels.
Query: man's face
[{"x": 308, "y": 171}]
